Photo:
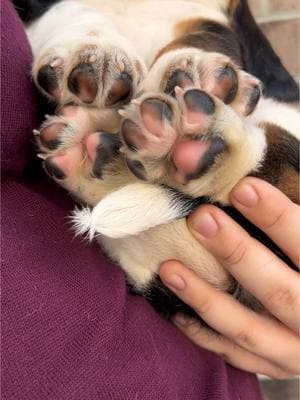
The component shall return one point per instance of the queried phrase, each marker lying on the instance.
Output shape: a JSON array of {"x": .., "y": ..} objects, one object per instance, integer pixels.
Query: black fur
[
  {"x": 29, "y": 10},
  {"x": 183, "y": 203},
  {"x": 282, "y": 153},
  {"x": 164, "y": 301},
  {"x": 213, "y": 37},
  {"x": 259, "y": 58}
]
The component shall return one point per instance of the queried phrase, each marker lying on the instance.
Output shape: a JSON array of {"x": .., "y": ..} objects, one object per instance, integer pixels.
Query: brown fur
[
  {"x": 281, "y": 163},
  {"x": 206, "y": 35}
]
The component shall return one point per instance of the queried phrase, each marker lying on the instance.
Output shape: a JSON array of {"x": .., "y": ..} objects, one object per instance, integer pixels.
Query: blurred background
[{"x": 280, "y": 21}]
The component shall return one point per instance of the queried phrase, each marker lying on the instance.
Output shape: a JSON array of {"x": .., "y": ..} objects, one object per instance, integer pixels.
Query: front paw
[
  {"x": 214, "y": 73},
  {"x": 194, "y": 143},
  {"x": 90, "y": 74},
  {"x": 78, "y": 154}
]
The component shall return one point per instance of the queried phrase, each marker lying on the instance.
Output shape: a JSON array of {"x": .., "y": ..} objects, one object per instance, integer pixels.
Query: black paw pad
[
  {"x": 82, "y": 82},
  {"x": 106, "y": 152},
  {"x": 198, "y": 101},
  {"x": 53, "y": 170},
  {"x": 227, "y": 85},
  {"x": 217, "y": 146},
  {"x": 49, "y": 136},
  {"x": 121, "y": 90},
  {"x": 52, "y": 144},
  {"x": 132, "y": 135},
  {"x": 156, "y": 109},
  {"x": 178, "y": 78},
  {"x": 253, "y": 98},
  {"x": 47, "y": 80},
  {"x": 137, "y": 168}
]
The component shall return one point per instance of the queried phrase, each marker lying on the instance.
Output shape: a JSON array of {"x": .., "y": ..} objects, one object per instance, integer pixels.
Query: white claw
[
  {"x": 136, "y": 102},
  {"x": 178, "y": 92},
  {"x": 47, "y": 116},
  {"x": 56, "y": 63},
  {"x": 93, "y": 58},
  {"x": 121, "y": 66},
  {"x": 183, "y": 64},
  {"x": 122, "y": 113},
  {"x": 42, "y": 156},
  {"x": 36, "y": 132}
]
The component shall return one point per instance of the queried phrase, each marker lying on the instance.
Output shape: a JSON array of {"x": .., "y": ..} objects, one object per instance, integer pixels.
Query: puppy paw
[
  {"x": 195, "y": 143},
  {"x": 214, "y": 73},
  {"x": 93, "y": 73},
  {"x": 75, "y": 155}
]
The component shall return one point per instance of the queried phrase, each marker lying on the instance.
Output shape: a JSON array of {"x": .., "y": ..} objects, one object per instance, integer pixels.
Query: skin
[{"x": 265, "y": 344}]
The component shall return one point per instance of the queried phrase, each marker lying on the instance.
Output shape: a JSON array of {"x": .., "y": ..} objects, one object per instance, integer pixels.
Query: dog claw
[
  {"x": 93, "y": 58},
  {"x": 36, "y": 132},
  {"x": 122, "y": 113},
  {"x": 136, "y": 102},
  {"x": 178, "y": 91},
  {"x": 56, "y": 63},
  {"x": 42, "y": 156}
]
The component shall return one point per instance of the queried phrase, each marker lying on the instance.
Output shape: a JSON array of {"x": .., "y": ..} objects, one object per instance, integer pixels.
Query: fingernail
[
  {"x": 246, "y": 195},
  {"x": 205, "y": 224},
  {"x": 175, "y": 281}
]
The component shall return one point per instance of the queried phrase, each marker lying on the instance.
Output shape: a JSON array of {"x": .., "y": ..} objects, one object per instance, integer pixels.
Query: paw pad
[{"x": 83, "y": 83}]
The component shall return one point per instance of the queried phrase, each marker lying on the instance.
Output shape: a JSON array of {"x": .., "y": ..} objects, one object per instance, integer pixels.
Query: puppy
[{"x": 160, "y": 110}]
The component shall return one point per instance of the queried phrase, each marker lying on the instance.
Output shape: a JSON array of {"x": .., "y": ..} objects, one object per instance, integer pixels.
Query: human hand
[{"x": 258, "y": 343}]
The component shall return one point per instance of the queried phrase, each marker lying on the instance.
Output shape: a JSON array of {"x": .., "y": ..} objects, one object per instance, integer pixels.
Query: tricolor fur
[{"x": 183, "y": 75}]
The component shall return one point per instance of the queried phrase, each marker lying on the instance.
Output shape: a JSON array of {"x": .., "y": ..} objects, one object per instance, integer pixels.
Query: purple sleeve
[{"x": 70, "y": 330}]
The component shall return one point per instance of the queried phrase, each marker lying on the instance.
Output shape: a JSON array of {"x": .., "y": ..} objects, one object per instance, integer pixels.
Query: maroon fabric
[
  {"x": 70, "y": 330},
  {"x": 19, "y": 102}
]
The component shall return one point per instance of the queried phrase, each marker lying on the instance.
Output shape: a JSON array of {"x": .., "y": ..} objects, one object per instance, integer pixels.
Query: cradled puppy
[{"x": 191, "y": 125}]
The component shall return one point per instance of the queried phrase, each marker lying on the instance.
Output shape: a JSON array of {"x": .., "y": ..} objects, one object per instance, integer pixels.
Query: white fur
[
  {"x": 273, "y": 112},
  {"x": 127, "y": 211}
]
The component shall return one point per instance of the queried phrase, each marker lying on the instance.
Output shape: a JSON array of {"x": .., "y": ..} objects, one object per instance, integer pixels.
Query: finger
[
  {"x": 271, "y": 211},
  {"x": 256, "y": 333},
  {"x": 226, "y": 349},
  {"x": 255, "y": 267}
]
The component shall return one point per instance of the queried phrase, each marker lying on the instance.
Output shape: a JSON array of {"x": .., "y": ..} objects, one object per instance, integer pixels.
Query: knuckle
[
  {"x": 203, "y": 306},
  {"x": 274, "y": 220},
  {"x": 237, "y": 254},
  {"x": 244, "y": 339},
  {"x": 282, "y": 295}
]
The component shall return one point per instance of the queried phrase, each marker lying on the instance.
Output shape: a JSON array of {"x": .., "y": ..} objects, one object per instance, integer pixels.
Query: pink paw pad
[
  {"x": 155, "y": 135},
  {"x": 225, "y": 84},
  {"x": 102, "y": 149},
  {"x": 49, "y": 136},
  {"x": 65, "y": 164},
  {"x": 197, "y": 108},
  {"x": 192, "y": 158}
]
